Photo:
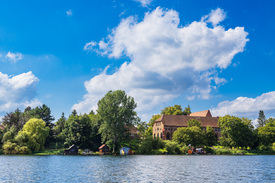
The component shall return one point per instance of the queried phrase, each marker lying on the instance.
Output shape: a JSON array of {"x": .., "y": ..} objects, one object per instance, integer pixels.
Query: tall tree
[
  {"x": 189, "y": 135},
  {"x": 187, "y": 111},
  {"x": 267, "y": 133},
  {"x": 261, "y": 119},
  {"x": 60, "y": 124},
  {"x": 236, "y": 132},
  {"x": 116, "y": 110}
]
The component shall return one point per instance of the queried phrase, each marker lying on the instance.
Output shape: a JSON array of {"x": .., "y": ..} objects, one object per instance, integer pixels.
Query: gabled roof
[
  {"x": 181, "y": 120},
  {"x": 205, "y": 113},
  {"x": 72, "y": 146},
  {"x": 103, "y": 146}
]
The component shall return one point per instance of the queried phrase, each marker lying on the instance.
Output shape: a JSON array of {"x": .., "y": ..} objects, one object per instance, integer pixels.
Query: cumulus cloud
[
  {"x": 18, "y": 91},
  {"x": 215, "y": 17},
  {"x": 11, "y": 57},
  {"x": 69, "y": 13},
  {"x": 166, "y": 59},
  {"x": 144, "y": 3},
  {"x": 244, "y": 106}
]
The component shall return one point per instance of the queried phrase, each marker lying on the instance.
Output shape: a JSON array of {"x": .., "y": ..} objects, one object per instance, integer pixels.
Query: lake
[{"x": 137, "y": 168}]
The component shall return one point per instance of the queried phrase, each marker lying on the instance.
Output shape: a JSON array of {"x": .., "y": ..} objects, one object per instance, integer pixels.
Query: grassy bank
[{"x": 221, "y": 150}]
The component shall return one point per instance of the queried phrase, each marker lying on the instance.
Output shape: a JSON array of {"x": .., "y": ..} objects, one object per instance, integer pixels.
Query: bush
[
  {"x": 209, "y": 150},
  {"x": 150, "y": 146},
  {"x": 172, "y": 147},
  {"x": 273, "y": 146}
]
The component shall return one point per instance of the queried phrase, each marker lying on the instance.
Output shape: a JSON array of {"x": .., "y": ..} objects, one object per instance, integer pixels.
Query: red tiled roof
[
  {"x": 205, "y": 113},
  {"x": 181, "y": 120}
]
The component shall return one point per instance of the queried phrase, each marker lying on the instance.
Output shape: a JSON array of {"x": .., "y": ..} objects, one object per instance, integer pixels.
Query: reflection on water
[{"x": 137, "y": 168}]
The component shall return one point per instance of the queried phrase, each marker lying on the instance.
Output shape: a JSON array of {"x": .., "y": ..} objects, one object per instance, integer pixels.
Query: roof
[
  {"x": 181, "y": 120},
  {"x": 72, "y": 146},
  {"x": 102, "y": 146},
  {"x": 205, "y": 113},
  {"x": 2, "y": 127}
]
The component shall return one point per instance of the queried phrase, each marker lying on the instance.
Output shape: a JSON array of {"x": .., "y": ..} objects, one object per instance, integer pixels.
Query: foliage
[
  {"x": 172, "y": 147},
  {"x": 116, "y": 110},
  {"x": 34, "y": 134},
  {"x": 16, "y": 119},
  {"x": 172, "y": 110},
  {"x": 236, "y": 132},
  {"x": 142, "y": 129},
  {"x": 261, "y": 119},
  {"x": 187, "y": 111},
  {"x": 267, "y": 133},
  {"x": 60, "y": 125},
  {"x": 81, "y": 131},
  {"x": 13, "y": 148},
  {"x": 193, "y": 122},
  {"x": 9, "y": 135},
  {"x": 150, "y": 145},
  {"x": 210, "y": 136},
  {"x": 189, "y": 135}
]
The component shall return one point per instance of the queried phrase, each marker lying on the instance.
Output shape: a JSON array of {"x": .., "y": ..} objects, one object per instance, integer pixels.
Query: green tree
[
  {"x": 9, "y": 135},
  {"x": 172, "y": 110},
  {"x": 60, "y": 125},
  {"x": 189, "y": 135},
  {"x": 210, "y": 136},
  {"x": 261, "y": 119},
  {"x": 34, "y": 134},
  {"x": 236, "y": 132},
  {"x": 267, "y": 133},
  {"x": 193, "y": 122},
  {"x": 82, "y": 131},
  {"x": 15, "y": 119},
  {"x": 116, "y": 110},
  {"x": 187, "y": 111}
]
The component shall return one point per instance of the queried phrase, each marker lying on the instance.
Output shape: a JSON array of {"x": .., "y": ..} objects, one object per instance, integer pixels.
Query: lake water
[{"x": 137, "y": 168}]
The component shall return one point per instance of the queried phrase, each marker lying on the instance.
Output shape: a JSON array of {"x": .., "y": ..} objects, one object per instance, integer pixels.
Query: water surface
[{"x": 137, "y": 168}]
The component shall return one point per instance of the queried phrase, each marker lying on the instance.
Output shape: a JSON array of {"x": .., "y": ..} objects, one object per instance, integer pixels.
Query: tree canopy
[
  {"x": 236, "y": 132},
  {"x": 117, "y": 111}
]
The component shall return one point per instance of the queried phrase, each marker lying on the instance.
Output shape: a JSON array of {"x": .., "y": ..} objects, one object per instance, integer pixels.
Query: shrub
[{"x": 172, "y": 147}]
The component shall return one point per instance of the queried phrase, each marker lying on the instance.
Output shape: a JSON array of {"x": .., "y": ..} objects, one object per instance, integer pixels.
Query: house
[
  {"x": 104, "y": 150},
  {"x": 73, "y": 150},
  {"x": 165, "y": 126}
]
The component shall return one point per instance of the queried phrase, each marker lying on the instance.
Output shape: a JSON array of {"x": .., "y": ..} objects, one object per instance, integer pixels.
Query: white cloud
[
  {"x": 215, "y": 17},
  {"x": 11, "y": 57},
  {"x": 167, "y": 59},
  {"x": 69, "y": 13},
  {"x": 247, "y": 107},
  {"x": 17, "y": 91},
  {"x": 144, "y": 3}
]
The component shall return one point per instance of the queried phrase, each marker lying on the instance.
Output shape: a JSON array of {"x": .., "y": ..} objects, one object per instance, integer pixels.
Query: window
[
  {"x": 165, "y": 128},
  {"x": 161, "y": 135},
  {"x": 157, "y": 135}
]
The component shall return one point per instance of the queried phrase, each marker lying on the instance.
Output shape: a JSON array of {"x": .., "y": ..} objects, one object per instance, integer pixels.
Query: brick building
[{"x": 165, "y": 126}]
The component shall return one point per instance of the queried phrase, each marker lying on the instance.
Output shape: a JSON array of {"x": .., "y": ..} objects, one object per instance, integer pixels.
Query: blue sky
[{"x": 216, "y": 55}]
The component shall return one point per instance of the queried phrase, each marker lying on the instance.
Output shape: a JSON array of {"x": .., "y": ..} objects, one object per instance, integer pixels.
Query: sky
[{"x": 216, "y": 55}]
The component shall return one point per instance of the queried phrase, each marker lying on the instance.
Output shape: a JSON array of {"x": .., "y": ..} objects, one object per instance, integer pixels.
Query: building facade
[{"x": 165, "y": 126}]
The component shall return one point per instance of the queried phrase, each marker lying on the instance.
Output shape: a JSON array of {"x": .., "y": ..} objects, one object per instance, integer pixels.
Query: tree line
[{"x": 33, "y": 129}]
